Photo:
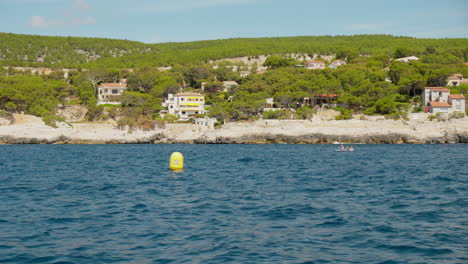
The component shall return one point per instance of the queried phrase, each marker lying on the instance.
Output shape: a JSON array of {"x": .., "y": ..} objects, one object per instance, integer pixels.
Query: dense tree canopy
[
  {"x": 75, "y": 52},
  {"x": 371, "y": 82}
]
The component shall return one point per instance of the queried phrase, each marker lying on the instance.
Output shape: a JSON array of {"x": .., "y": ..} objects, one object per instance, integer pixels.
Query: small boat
[{"x": 344, "y": 150}]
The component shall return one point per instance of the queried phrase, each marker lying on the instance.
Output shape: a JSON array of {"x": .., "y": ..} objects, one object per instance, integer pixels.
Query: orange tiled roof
[
  {"x": 457, "y": 96},
  {"x": 327, "y": 95},
  {"x": 113, "y": 85},
  {"x": 437, "y": 89},
  {"x": 440, "y": 104}
]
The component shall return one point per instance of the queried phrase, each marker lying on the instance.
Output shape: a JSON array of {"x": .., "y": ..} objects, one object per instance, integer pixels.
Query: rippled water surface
[{"x": 233, "y": 204}]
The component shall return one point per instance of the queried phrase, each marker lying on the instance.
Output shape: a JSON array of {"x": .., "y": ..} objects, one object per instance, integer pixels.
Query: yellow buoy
[{"x": 176, "y": 162}]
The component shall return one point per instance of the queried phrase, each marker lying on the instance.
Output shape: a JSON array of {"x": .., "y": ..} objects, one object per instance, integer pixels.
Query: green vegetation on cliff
[
  {"x": 371, "y": 82},
  {"x": 75, "y": 52}
]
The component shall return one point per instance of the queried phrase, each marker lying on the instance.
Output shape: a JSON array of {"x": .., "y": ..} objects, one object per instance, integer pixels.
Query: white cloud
[
  {"x": 72, "y": 16},
  {"x": 42, "y": 22}
]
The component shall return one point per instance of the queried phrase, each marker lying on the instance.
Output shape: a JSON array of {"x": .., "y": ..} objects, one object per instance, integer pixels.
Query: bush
[
  {"x": 170, "y": 118},
  {"x": 304, "y": 113},
  {"x": 51, "y": 120},
  {"x": 112, "y": 113},
  {"x": 431, "y": 117},
  {"x": 456, "y": 115},
  {"x": 441, "y": 116},
  {"x": 417, "y": 99},
  {"x": 345, "y": 113},
  {"x": 418, "y": 109},
  {"x": 394, "y": 116},
  {"x": 7, "y": 115},
  {"x": 145, "y": 123},
  {"x": 126, "y": 121},
  {"x": 273, "y": 114}
]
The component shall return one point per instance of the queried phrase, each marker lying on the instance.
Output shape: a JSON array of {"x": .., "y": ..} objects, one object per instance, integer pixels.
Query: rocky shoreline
[{"x": 31, "y": 130}]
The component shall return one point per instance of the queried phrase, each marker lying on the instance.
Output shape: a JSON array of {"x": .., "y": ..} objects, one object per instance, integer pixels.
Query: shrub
[
  {"x": 417, "y": 99},
  {"x": 418, "y": 109},
  {"x": 126, "y": 121},
  {"x": 51, "y": 120},
  {"x": 7, "y": 115},
  {"x": 441, "y": 116},
  {"x": 431, "y": 117},
  {"x": 345, "y": 113},
  {"x": 456, "y": 115},
  {"x": 145, "y": 123},
  {"x": 304, "y": 113},
  {"x": 170, "y": 118},
  {"x": 273, "y": 114},
  {"x": 112, "y": 113}
]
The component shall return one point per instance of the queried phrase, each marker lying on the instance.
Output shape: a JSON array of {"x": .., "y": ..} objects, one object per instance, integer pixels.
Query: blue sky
[{"x": 153, "y": 21}]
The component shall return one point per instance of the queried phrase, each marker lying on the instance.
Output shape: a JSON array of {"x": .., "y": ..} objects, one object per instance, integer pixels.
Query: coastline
[{"x": 31, "y": 130}]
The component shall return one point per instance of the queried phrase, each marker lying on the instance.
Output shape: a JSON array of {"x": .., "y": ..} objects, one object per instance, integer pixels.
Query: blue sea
[{"x": 67, "y": 204}]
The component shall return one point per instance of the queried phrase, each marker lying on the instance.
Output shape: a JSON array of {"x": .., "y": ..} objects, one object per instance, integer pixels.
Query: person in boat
[{"x": 342, "y": 147}]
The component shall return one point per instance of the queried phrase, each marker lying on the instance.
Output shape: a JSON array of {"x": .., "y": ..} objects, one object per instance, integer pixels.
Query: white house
[
  {"x": 458, "y": 102},
  {"x": 230, "y": 85},
  {"x": 440, "y": 107},
  {"x": 439, "y": 100},
  {"x": 435, "y": 94},
  {"x": 407, "y": 59},
  {"x": 456, "y": 80},
  {"x": 336, "y": 64},
  {"x": 205, "y": 121},
  {"x": 109, "y": 93},
  {"x": 312, "y": 65},
  {"x": 185, "y": 105}
]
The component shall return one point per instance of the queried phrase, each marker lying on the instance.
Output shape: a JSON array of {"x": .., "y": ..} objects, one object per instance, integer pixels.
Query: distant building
[
  {"x": 456, "y": 80},
  {"x": 313, "y": 65},
  {"x": 439, "y": 107},
  {"x": 109, "y": 93},
  {"x": 336, "y": 64},
  {"x": 325, "y": 100},
  {"x": 230, "y": 85},
  {"x": 458, "y": 102},
  {"x": 439, "y": 100},
  {"x": 205, "y": 121},
  {"x": 185, "y": 105},
  {"x": 407, "y": 59},
  {"x": 227, "y": 85},
  {"x": 435, "y": 94}
]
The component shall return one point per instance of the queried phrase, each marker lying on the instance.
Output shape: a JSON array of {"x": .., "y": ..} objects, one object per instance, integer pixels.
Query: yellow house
[{"x": 185, "y": 105}]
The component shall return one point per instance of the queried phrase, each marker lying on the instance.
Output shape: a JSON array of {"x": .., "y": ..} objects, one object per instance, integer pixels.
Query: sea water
[{"x": 233, "y": 204}]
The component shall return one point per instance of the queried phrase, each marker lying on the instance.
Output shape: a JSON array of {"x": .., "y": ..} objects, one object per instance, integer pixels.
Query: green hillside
[{"x": 75, "y": 52}]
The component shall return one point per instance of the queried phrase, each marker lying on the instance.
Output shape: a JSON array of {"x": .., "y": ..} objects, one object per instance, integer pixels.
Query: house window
[
  {"x": 181, "y": 99},
  {"x": 196, "y": 112},
  {"x": 171, "y": 106},
  {"x": 115, "y": 91},
  {"x": 183, "y": 112}
]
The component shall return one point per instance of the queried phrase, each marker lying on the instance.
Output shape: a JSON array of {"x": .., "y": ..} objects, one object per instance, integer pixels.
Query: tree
[
  {"x": 402, "y": 52},
  {"x": 95, "y": 76},
  {"x": 275, "y": 61}
]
